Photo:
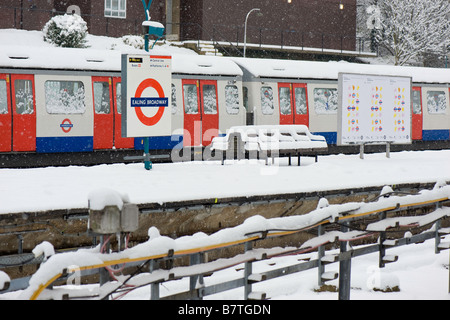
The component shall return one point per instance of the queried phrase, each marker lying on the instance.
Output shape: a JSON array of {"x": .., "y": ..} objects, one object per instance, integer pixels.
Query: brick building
[{"x": 329, "y": 24}]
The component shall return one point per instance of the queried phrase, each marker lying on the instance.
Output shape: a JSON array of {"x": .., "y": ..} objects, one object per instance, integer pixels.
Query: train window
[
  {"x": 300, "y": 101},
  {"x": 119, "y": 97},
  {"x": 64, "y": 97},
  {"x": 325, "y": 101},
  {"x": 417, "y": 103},
  {"x": 3, "y": 98},
  {"x": 209, "y": 99},
  {"x": 267, "y": 100},
  {"x": 232, "y": 99},
  {"x": 436, "y": 102},
  {"x": 24, "y": 96},
  {"x": 174, "y": 99},
  {"x": 102, "y": 100},
  {"x": 190, "y": 99},
  {"x": 285, "y": 100}
]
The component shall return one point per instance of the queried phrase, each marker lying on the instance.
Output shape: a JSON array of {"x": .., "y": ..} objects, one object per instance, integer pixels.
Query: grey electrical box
[
  {"x": 106, "y": 221},
  {"x": 112, "y": 220},
  {"x": 129, "y": 218}
]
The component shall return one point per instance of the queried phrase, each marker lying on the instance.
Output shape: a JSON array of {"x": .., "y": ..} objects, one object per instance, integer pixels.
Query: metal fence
[{"x": 354, "y": 222}]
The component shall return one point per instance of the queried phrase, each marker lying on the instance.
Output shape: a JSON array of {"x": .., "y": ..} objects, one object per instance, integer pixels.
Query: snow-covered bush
[
  {"x": 68, "y": 31},
  {"x": 134, "y": 41}
]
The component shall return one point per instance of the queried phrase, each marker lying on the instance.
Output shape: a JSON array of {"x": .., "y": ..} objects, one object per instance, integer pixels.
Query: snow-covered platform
[
  {"x": 185, "y": 198},
  {"x": 54, "y": 188}
]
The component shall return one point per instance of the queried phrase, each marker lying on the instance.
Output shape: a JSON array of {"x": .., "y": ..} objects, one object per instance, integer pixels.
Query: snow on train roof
[
  {"x": 294, "y": 69},
  {"x": 107, "y": 60}
]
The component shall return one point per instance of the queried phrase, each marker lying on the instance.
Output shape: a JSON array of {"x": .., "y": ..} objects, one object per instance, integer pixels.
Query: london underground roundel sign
[{"x": 146, "y": 88}]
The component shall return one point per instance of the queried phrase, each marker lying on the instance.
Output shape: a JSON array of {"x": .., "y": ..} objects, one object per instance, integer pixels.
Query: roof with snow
[
  {"x": 107, "y": 60},
  {"x": 295, "y": 69}
]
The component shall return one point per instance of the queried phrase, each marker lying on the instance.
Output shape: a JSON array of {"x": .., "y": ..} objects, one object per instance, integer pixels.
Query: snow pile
[
  {"x": 98, "y": 199},
  {"x": 45, "y": 248},
  {"x": 4, "y": 280}
]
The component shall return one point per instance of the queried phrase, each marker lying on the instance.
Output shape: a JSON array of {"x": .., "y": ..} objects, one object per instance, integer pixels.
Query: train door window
[
  {"x": 436, "y": 102},
  {"x": 209, "y": 97},
  {"x": 417, "y": 102},
  {"x": 5, "y": 117},
  {"x": 285, "y": 100},
  {"x": 3, "y": 97},
  {"x": 325, "y": 101},
  {"x": 300, "y": 101},
  {"x": 232, "y": 99},
  {"x": 24, "y": 96},
  {"x": 64, "y": 97},
  {"x": 267, "y": 107},
  {"x": 119, "y": 97},
  {"x": 245, "y": 92},
  {"x": 190, "y": 99},
  {"x": 102, "y": 101},
  {"x": 174, "y": 99}
]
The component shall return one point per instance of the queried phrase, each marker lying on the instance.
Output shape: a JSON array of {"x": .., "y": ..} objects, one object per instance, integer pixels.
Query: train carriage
[
  {"x": 304, "y": 92},
  {"x": 56, "y": 100},
  {"x": 72, "y": 102}
]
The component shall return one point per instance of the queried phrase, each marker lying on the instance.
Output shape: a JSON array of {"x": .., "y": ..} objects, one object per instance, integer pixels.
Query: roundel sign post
[{"x": 146, "y": 96}]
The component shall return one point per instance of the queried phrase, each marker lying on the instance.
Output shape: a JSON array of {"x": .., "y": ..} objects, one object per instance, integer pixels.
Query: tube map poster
[{"x": 374, "y": 109}]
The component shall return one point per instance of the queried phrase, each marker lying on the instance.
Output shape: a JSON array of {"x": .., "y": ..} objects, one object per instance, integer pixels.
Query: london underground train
[{"x": 59, "y": 100}]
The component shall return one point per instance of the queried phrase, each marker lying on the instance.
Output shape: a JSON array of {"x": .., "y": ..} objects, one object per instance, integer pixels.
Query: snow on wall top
[{"x": 294, "y": 69}]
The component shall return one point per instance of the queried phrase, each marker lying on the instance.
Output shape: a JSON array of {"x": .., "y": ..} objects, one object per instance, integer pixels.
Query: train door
[
  {"x": 210, "y": 112},
  {"x": 301, "y": 110},
  {"x": 5, "y": 114},
  {"x": 201, "y": 115},
  {"x": 285, "y": 103},
  {"x": 119, "y": 142},
  {"x": 103, "y": 117},
  {"x": 417, "y": 115},
  {"x": 293, "y": 103},
  {"x": 24, "y": 112}
]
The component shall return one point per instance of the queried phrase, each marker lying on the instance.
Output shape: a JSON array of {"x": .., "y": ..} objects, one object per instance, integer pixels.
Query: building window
[{"x": 116, "y": 8}]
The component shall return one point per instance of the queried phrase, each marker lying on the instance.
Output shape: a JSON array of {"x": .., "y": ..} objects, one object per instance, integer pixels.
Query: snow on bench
[{"x": 270, "y": 141}]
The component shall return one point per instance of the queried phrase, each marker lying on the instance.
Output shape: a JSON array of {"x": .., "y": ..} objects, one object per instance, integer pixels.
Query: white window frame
[{"x": 120, "y": 12}]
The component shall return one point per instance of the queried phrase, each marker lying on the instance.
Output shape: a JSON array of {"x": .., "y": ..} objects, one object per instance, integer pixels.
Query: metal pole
[
  {"x": 147, "y": 162},
  {"x": 245, "y": 31}
]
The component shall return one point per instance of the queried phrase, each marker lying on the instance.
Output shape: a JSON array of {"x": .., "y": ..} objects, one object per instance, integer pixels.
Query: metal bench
[{"x": 264, "y": 142}]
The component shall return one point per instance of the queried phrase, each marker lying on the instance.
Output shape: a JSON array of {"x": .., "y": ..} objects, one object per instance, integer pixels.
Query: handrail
[{"x": 253, "y": 229}]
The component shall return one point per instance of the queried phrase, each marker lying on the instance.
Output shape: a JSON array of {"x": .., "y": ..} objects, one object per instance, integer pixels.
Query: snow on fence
[
  {"x": 71, "y": 265},
  {"x": 269, "y": 141}
]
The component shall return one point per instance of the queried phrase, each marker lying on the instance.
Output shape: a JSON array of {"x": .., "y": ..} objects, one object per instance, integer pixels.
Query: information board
[
  {"x": 146, "y": 95},
  {"x": 374, "y": 109}
]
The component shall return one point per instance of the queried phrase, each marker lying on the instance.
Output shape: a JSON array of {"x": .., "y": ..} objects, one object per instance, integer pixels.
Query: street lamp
[{"x": 245, "y": 31}]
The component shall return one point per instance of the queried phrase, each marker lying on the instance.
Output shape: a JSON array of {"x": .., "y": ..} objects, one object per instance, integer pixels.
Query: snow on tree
[
  {"x": 409, "y": 29},
  {"x": 68, "y": 31}
]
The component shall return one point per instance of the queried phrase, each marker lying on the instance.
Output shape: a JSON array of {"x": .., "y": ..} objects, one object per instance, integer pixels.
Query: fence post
[
  {"x": 382, "y": 248},
  {"x": 196, "y": 258},
  {"x": 345, "y": 265},
  {"x": 154, "y": 287},
  {"x": 247, "y": 272},
  {"x": 321, "y": 253}
]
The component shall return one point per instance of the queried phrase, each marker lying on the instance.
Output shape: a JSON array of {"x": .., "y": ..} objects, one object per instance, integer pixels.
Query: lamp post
[{"x": 245, "y": 31}]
